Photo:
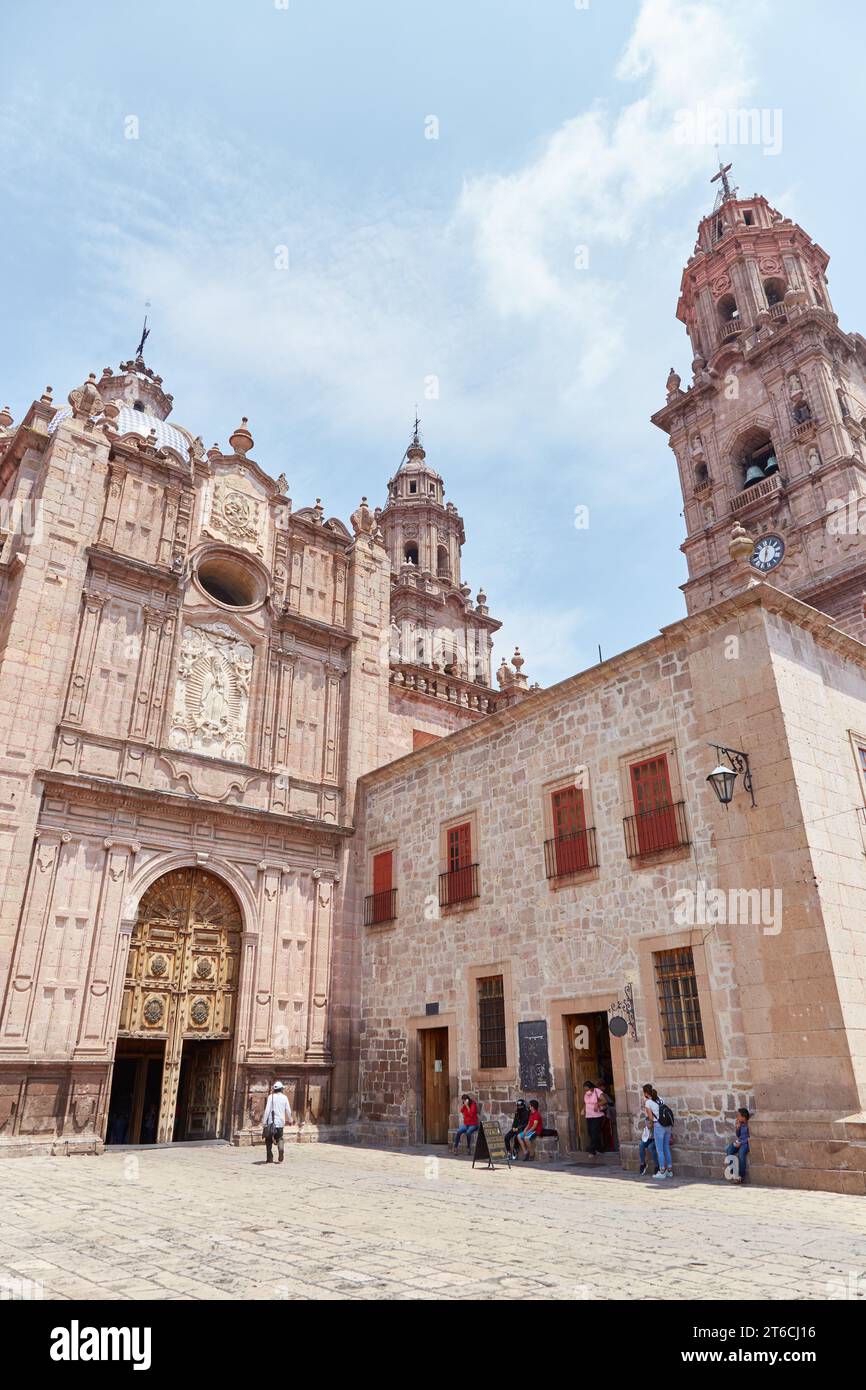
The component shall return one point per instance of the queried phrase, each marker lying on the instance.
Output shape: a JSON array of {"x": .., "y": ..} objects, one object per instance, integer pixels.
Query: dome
[{"x": 132, "y": 421}]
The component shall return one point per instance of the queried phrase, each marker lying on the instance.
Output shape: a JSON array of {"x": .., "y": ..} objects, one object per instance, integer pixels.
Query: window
[
  {"x": 658, "y": 822},
  {"x": 410, "y": 554},
  {"x": 748, "y": 217},
  {"x": 491, "y": 1023},
  {"x": 679, "y": 1005},
  {"x": 571, "y": 850},
  {"x": 459, "y": 882},
  {"x": 381, "y": 904},
  {"x": 413, "y": 487}
]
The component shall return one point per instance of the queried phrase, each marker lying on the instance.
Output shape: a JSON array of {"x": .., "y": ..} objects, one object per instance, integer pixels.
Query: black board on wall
[{"x": 534, "y": 1056}]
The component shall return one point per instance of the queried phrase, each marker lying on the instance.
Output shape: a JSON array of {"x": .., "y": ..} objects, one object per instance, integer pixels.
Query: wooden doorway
[
  {"x": 136, "y": 1086},
  {"x": 587, "y": 1040},
  {"x": 435, "y": 1087},
  {"x": 180, "y": 996}
]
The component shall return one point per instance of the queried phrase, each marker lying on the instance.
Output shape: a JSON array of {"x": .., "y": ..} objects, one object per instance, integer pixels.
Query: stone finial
[
  {"x": 5, "y": 417},
  {"x": 319, "y": 511},
  {"x": 214, "y": 452},
  {"x": 741, "y": 545},
  {"x": 282, "y": 485},
  {"x": 241, "y": 441},
  {"x": 673, "y": 384},
  {"x": 85, "y": 400},
  {"x": 517, "y": 660},
  {"x": 47, "y": 397},
  {"x": 363, "y": 521}
]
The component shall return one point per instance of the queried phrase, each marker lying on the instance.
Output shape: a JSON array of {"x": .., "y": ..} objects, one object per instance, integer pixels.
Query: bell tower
[
  {"x": 436, "y": 628},
  {"x": 771, "y": 432}
]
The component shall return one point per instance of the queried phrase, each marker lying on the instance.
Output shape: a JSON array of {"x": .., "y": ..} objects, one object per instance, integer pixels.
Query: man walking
[{"x": 278, "y": 1114}]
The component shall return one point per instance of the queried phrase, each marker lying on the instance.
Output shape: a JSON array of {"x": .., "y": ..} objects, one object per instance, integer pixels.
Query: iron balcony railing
[
  {"x": 570, "y": 854},
  {"x": 380, "y": 907},
  {"x": 649, "y": 832},
  {"x": 458, "y": 885}
]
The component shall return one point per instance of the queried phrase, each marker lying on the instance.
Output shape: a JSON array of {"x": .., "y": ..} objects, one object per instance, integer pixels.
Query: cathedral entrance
[{"x": 171, "y": 1070}]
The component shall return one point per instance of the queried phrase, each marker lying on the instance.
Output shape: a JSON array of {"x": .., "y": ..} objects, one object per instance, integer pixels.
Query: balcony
[
  {"x": 380, "y": 907},
  {"x": 729, "y": 329},
  {"x": 653, "y": 832},
  {"x": 458, "y": 885},
  {"x": 570, "y": 854},
  {"x": 767, "y": 487}
]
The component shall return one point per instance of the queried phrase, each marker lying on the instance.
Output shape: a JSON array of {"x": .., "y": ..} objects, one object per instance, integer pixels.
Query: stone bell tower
[
  {"x": 441, "y": 639},
  {"x": 770, "y": 432}
]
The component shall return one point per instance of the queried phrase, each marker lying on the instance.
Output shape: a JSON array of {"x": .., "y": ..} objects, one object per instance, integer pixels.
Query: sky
[{"x": 338, "y": 211}]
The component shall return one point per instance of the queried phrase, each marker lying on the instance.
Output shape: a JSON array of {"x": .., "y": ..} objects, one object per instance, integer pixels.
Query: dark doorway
[
  {"x": 587, "y": 1038},
  {"x": 136, "y": 1086}
]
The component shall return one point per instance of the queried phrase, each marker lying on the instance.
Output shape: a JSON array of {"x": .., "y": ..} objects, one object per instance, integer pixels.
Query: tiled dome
[{"x": 130, "y": 421}]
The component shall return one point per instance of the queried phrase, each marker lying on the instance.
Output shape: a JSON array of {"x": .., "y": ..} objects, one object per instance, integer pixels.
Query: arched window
[
  {"x": 443, "y": 566},
  {"x": 702, "y": 475},
  {"x": 757, "y": 458},
  {"x": 728, "y": 311},
  {"x": 410, "y": 553},
  {"x": 775, "y": 290}
]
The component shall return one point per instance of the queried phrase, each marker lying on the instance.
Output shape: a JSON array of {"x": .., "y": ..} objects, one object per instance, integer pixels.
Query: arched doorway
[{"x": 177, "y": 1017}]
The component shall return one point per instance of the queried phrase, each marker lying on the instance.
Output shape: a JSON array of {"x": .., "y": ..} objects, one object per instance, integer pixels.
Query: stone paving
[{"x": 335, "y": 1222}]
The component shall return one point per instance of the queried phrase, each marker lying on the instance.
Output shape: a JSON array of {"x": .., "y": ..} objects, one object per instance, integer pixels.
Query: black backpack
[{"x": 666, "y": 1115}]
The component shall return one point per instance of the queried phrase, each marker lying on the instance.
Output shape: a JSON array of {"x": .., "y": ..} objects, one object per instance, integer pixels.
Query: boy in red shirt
[{"x": 533, "y": 1129}]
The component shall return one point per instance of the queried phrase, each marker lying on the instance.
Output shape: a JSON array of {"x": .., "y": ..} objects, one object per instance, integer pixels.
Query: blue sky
[{"x": 412, "y": 258}]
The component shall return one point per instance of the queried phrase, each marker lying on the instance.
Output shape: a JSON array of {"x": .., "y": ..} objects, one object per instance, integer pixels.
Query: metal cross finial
[
  {"x": 724, "y": 170},
  {"x": 145, "y": 334},
  {"x": 417, "y": 427}
]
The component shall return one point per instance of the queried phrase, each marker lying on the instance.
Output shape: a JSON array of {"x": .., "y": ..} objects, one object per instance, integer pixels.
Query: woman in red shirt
[
  {"x": 469, "y": 1111},
  {"x": 534, "y": 1126}
]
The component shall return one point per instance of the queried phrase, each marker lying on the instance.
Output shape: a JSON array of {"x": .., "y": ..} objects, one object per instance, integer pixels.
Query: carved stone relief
[
  {"x": 212, "y": 695},
  {"x": 236, "y": 515}
]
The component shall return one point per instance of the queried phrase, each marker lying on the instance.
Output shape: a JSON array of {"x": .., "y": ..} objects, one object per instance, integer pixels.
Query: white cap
[{"x": 278, "y": 1085}]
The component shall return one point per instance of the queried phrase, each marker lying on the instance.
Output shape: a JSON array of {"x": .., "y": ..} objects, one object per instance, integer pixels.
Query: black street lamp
[{"x": 723, "y": 777}]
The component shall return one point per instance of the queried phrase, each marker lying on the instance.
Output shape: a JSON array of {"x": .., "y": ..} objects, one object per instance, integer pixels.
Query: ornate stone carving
[
  {"x": 212, "y": 693},
  {"x": 236, "y": 515},
  {"x": 158, "y": 965},
  {"x": 85, "y": 400},
  {"x": 204, "y": 968}
]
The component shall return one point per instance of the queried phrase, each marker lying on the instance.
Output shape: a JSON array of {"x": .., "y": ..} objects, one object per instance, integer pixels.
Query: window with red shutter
[
  {"x": 569, "y": 830},
  {"x": 459, "y": 883},
  {"x": 381, "y": 903},
  {"x": 653, "y": 805}
]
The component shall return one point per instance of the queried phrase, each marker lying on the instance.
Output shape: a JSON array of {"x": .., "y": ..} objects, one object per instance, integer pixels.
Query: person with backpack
[
  {"x": 278, "y": 1114},
  {"x": 660, "y": 1118},
  {"x": 518, "y": 1124},
  {"x": 594, "y": 1102},
  {"x": 740, "y": 1145}
]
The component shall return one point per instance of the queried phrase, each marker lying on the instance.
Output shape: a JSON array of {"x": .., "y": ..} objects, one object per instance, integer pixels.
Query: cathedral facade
[
  {"x": 193, "y": 675},
  {"x": 265, "y": 813}
]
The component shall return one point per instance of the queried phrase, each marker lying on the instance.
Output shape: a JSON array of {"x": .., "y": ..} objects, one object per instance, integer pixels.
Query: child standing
[{"x": 740, "y": 1145}]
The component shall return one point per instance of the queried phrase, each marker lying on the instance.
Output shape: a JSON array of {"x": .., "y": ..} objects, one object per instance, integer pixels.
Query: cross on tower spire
[
  {"x": 415, "y": 439},
  {"x": 145, "y": 334},
  {"x": 726, "y": 191}
]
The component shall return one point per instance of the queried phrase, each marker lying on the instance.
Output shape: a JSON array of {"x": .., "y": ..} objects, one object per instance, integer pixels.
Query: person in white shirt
[{"x": 278, "y": 1114}]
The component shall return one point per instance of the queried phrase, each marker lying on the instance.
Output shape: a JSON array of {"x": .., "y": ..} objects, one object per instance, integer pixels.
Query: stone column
[{"x": 318, "y": 1018}]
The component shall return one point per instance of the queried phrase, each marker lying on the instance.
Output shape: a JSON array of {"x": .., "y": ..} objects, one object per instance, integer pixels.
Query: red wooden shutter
[
  {"x": 569, "y": 829},
  {"x": 460, "y": 846},
  {"x": 383, "y": 871},
  {"x": 656, "y": 818}
]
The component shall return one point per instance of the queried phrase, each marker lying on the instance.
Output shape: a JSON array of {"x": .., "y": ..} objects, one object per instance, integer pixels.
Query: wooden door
[
  {"x": 434, "y": 1084},
  {"x": 582, "y": 1040},
  {"x": 656, "y": 818},
  {"x": 203, "y": 1099},
  {"x": 181, "y": 976}
]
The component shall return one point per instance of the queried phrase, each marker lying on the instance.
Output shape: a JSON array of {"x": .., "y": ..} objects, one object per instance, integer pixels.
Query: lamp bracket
[
  {"x": 625, "y": 1008},
  {"x": 738, "y": 761}
]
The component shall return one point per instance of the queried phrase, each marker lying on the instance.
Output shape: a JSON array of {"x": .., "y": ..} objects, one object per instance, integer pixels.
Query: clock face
[{"x": 768, "y": 553}]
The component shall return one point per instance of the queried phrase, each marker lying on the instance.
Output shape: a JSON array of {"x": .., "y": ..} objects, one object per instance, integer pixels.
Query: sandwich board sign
[{"x": 490, "y": 1144}]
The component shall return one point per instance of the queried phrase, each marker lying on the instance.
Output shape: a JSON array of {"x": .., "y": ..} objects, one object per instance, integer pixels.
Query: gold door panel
[{"x": 181, "y": 984}]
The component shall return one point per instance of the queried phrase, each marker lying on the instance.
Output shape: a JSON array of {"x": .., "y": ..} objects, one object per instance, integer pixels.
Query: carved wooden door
[{"x": 181, "y": 980}]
